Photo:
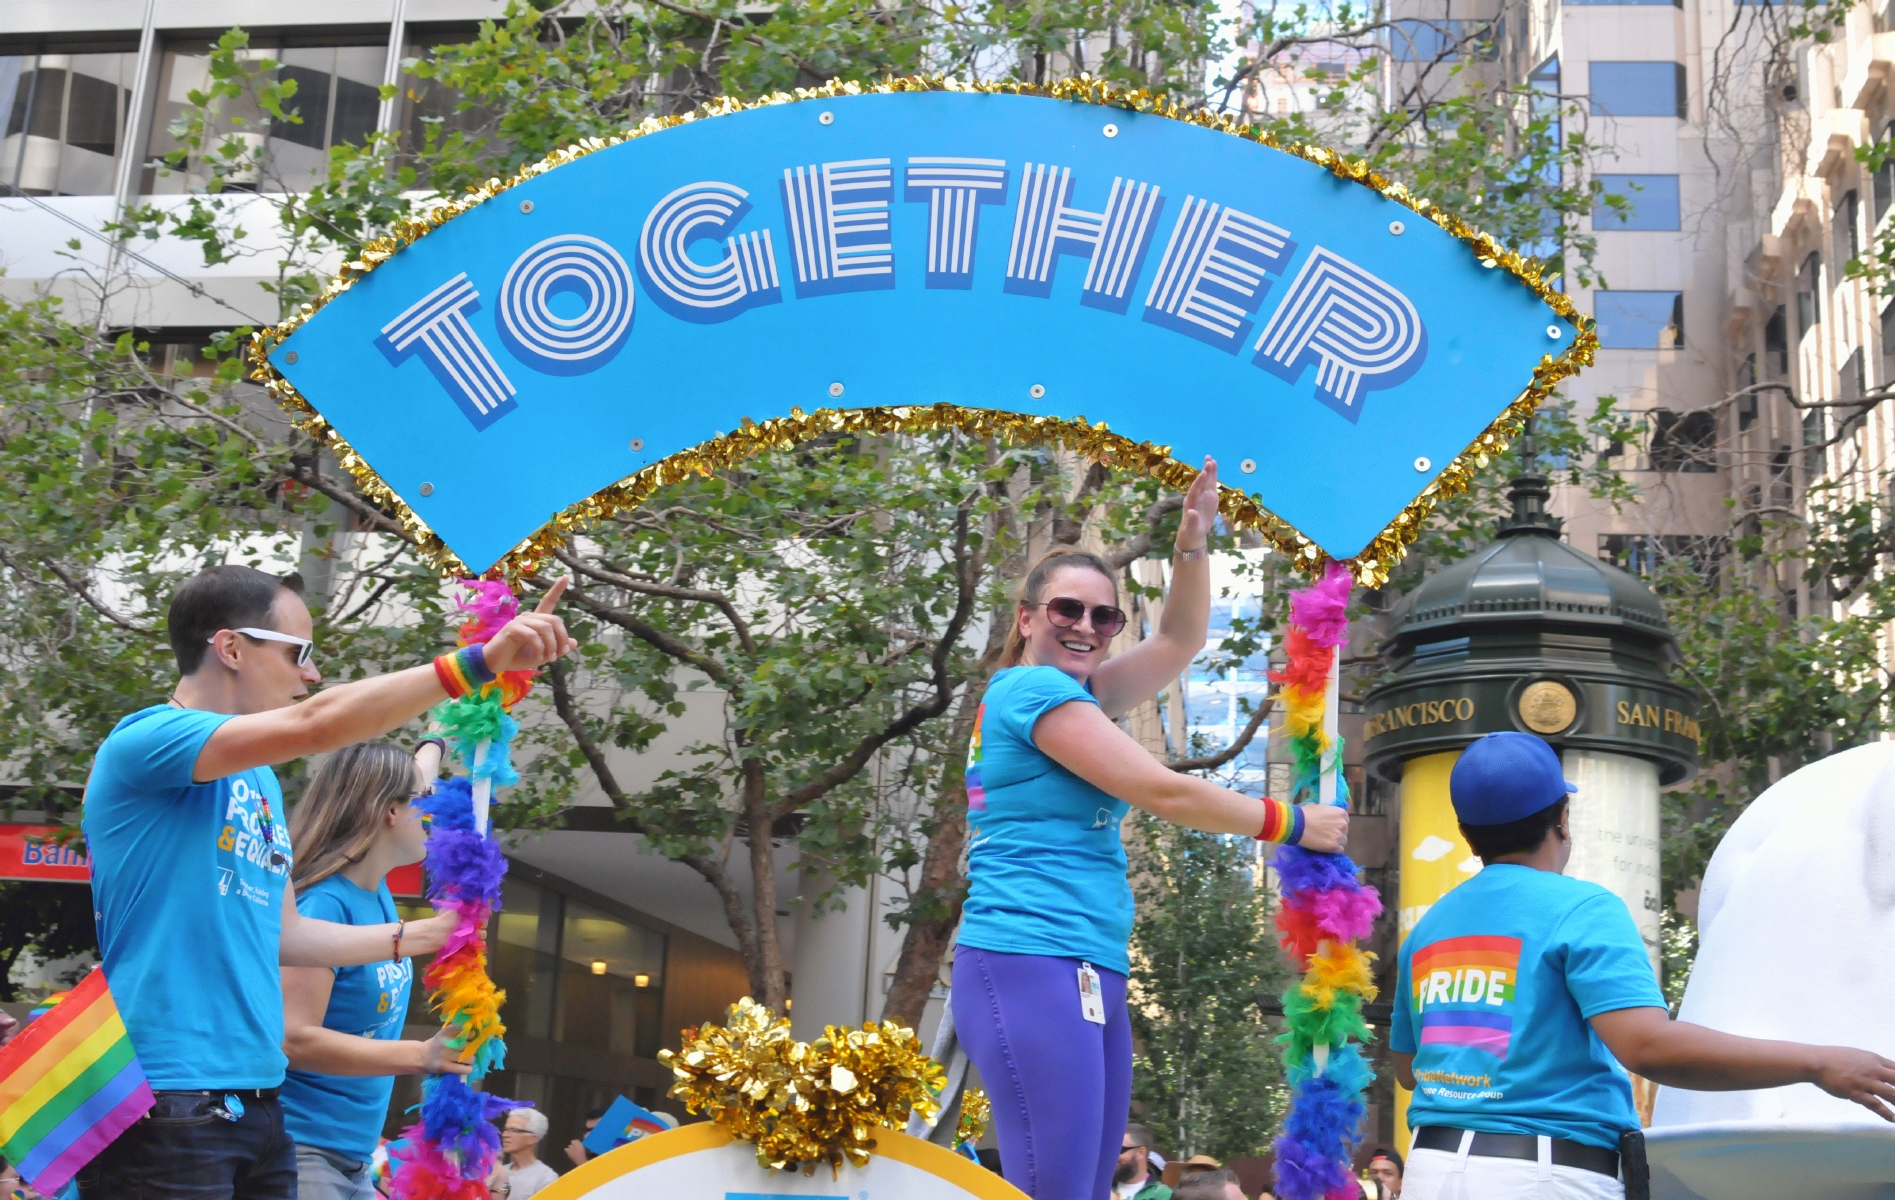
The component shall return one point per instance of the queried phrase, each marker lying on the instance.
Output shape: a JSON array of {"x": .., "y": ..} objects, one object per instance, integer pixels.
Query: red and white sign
[{"x": 28, "y": 852}]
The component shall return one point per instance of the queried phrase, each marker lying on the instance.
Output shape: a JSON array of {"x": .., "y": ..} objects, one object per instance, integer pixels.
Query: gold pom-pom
[
  {"x": 803, "y": 1103},
  {"x": 975, "y": 1111}
]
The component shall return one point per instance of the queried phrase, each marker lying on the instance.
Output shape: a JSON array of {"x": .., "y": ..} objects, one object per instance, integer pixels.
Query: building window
[
  {"x": 1645, "y": 554},
  {"x": 1776, "y": 343},
  {"x": 1411, "y": 40},
  {"x": 1639, "y": 320},
  {"x": 1626, "y": 3},
  {"x": 1809, "y": 309},
  {"x": 1854, "y": 377},
  {"x": 1685, "y": 442},
  {"x": 65, "y": 117},
  {"x": 1888, "y": 345},
  {"x": 1747, "y": 393},
  {"x": 611, "y": 984},
  {"x": 1815, "y": 433},
  {"x": 1638, "y": 89},
  {"x": 1882, "y": 183},
  {"x": 1650, "y": 202},
  {"x": 338, "y": 93},
  {"x": 1845, "y": 242}
]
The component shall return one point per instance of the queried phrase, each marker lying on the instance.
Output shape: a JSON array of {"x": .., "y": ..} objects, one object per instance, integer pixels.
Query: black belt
[
  {"x": 240, "y": 1093},
  {"x": 1522, "y": 1146}
]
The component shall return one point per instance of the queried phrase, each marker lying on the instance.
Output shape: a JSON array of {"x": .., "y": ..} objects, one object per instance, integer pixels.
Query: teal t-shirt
[
  {"x": 1496, "y": 986},
  {"x": 188, "y": 903},
  {"x": 1045, "y": 868},
  {"x": 344, "y": 1113}
]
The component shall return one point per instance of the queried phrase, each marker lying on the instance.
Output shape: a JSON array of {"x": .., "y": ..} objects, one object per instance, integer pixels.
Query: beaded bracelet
[{"x": 463, "y": 671}]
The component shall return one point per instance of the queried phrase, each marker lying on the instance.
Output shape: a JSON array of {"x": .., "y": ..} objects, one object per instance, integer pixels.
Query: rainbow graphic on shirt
[
  {"x": 1463, "y": 992},
  {"x": 976, "y": 794}
]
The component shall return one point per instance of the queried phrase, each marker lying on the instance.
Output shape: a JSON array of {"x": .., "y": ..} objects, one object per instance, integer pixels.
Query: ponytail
[{"x": 1058, "y": 559}]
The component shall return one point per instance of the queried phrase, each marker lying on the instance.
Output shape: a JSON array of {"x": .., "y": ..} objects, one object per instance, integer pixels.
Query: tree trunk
[
  {"x": 925, "y": 943},
  {"x": 767, "y": 968}
]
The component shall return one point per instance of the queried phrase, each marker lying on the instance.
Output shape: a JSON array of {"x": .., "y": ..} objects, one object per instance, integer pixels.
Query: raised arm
[
  {"x": 1682, "y": 1055},
  {"x": 1128, "y": 680},
  {"x": 1081, "y": 738},
  {"x": 311, "y": 1047},
  {"x": 368, "y": 708}
]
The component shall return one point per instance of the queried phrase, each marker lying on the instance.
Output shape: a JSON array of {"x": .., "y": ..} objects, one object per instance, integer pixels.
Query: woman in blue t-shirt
[
  {"x": 1040, "y": 963},
  {"x": 342, "y": 1026}
]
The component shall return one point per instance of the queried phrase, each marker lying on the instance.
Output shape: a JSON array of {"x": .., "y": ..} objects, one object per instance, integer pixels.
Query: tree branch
[
  {"x": 966, "y": 581},
  {"x": 652, "y": 636},
  {"x": 1236, "y": 747},
  {"x": 1140, "y": 545},
  {"x": 717, "y": 600}
]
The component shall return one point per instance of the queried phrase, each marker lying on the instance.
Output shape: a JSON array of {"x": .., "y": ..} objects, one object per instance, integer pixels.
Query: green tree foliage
[
  {"x": 50, "y": 921},
  {"x": 126, "y": 479},
  {"x": 1206, "y": 1077}
]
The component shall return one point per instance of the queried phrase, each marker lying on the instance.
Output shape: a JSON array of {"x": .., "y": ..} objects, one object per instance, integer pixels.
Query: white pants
[{"x": 1447, "y": 1175}]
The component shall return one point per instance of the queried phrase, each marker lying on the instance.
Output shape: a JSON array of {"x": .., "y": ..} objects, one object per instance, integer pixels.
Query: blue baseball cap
[{"x": 1504, "y": 777}]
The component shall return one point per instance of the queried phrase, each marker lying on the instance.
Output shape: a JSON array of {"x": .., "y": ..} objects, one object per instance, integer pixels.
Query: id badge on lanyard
[{"x": 1091, "y": 1002}]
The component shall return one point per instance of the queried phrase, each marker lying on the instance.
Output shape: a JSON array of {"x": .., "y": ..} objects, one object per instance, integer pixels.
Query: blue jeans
[
  {"x": 187, "y": 1148},
  {"x": 325, "y": 1175},
  {"x": 1061, "y": 1086}
]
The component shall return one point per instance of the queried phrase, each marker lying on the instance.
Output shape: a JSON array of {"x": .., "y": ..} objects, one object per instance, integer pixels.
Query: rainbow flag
[
  {"x": 1464, "y": 990},
  {"x": 69, "y": 1085}
]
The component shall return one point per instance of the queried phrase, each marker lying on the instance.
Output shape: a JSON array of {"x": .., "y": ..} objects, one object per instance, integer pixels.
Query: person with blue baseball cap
[{"x": 1521, "y": 992}]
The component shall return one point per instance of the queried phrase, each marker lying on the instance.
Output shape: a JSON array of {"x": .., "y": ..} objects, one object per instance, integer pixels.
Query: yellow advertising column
[{"x": 1434, "y": 858}]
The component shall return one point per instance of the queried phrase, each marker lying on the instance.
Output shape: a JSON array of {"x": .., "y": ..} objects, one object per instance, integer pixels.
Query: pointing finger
[{"x": 553, "y": 594}]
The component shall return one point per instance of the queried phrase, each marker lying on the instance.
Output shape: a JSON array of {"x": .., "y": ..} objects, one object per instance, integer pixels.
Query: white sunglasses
[{"x": 304, "y": 647}]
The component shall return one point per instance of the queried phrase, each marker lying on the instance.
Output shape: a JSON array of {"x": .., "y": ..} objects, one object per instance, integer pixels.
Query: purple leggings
[{"x": 1061, "y": 1086}]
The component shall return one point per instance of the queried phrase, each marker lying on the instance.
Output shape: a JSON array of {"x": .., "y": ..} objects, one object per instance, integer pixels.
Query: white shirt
[{"x": 527, "y": 1181}]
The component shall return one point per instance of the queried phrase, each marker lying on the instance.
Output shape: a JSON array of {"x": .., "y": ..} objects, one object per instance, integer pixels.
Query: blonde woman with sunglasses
[
  {"x": 1041, "y": 959},
  {"x": 342, "y": 1026}
]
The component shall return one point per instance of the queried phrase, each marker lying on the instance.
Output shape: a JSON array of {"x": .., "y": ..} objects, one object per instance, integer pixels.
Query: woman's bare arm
[
  {"x": 1079, "y": 737},
  {"x": 1127, "y": 680}
]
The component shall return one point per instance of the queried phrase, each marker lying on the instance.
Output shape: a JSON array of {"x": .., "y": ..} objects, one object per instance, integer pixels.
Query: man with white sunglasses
[{"x": 191, "y": 863}]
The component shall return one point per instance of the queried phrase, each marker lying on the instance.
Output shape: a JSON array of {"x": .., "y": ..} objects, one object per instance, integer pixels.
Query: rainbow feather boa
[
  {"x": 449, "y": 1153},
  {"x": 1325, "y": 908}
]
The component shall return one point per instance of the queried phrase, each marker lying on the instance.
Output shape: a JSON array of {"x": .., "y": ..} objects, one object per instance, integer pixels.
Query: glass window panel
[
  {"x": 523, "y": 951},
  {"x": 1637, "y": 89},
  {"x": 1809, "y": 308},
  {"x": 358, "y": 93},
  {"x": 310, "y": 103},
  {"x": 336, "y": 98},
  {"x": 92, "y": 112},
  {"x": 611, "y": 980},
  {"x": 63, "y": 119},
  {"x": 1651, "y": 202},
  {"x": 1639, "y": 320},
  {"x": 49, "y": 99}
]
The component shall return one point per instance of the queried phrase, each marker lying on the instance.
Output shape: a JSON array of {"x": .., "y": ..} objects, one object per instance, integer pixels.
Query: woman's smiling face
[{"x": 1077, "y": 649}]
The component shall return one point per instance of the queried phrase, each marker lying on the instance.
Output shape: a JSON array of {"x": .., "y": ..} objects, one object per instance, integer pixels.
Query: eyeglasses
[
  {"x": 1065, "y": 612},
  {"x": 304, "y": 647}
]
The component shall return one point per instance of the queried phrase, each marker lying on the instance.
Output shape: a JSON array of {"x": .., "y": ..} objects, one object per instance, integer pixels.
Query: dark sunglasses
[{"x": 1066, "y": 612}]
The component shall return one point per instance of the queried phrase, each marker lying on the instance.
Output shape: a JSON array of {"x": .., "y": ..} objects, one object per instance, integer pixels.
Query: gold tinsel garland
[
  {"x": 1370, "y": 567},
  {"x": 976, "y": 1109},
  {"x": 803, "y": 1103}
]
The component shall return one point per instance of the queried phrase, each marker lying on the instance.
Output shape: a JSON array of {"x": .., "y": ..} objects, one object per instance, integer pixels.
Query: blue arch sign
[{"x": 1333, "y": 348}]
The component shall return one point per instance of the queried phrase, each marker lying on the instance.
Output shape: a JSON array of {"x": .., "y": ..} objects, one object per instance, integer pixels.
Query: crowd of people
[{"x": 1141, "y": 1171}]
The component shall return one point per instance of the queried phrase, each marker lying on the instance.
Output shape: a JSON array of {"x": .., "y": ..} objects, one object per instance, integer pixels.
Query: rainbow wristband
[
  {"x": 1281, "y": 822},
  {"x": 1296, "y": 833},
  {"x": 463, "y": 671}
]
